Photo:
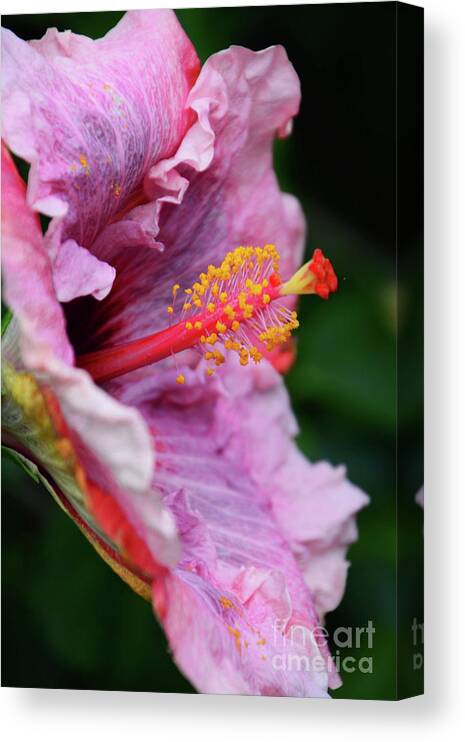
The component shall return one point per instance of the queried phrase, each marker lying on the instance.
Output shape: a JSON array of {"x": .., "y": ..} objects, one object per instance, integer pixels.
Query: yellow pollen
[
  {"x": 180, "y": 379},
  {"x": 237, "y": 636},
  {"x": 226, "y": 602},
  {"x": 238, "y": 291}
]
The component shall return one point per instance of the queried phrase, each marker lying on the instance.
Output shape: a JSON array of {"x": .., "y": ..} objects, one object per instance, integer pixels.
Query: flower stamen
[{"x": 235, "y": 306}]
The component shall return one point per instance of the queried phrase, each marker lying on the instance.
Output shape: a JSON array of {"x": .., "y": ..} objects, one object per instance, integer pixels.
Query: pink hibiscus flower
[{"x": 183, "y": 473}]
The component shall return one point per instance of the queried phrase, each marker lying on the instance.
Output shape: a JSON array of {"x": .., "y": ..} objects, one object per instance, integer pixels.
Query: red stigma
[
  {"x": 274, "y": 280},
  {"x": 322, "y": 269}
]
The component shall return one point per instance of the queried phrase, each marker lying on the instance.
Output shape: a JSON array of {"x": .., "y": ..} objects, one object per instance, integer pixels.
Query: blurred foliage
[{"x": 68, "y": 621}]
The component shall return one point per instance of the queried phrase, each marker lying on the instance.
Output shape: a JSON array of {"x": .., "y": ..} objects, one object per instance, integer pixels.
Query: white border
[{"x": 54, "y": 715}]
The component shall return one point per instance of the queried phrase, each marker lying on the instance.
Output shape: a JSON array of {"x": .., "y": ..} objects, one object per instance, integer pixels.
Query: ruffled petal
[
  {"x": 315, "y": 505},
  {"x": 111, "y": 440},
  {"x": 92, "y": 117},
  {"x": 237, "y": 647},
  {"x": 218, "y": 191},
  {"x": 40, "y": 316},
  {"x": 225, "y": 457},
  {"x": 78, "y": 273}
]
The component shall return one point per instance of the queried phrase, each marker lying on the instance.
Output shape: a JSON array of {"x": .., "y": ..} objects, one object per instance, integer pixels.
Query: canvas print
[{"x": 212, "y": 405}]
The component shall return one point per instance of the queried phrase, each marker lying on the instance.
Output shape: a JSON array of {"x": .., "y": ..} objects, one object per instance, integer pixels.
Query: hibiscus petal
[
  {"x": 225, "y": 453},
  {"x": 111, "y": 439},
  {"x": 78, "y": 273},
  {"x": 42, "y": 320},
  {"x": 218, "y": 191},
  {"x": 92, "y": 117},
  {"x": 316, "y": 514}
]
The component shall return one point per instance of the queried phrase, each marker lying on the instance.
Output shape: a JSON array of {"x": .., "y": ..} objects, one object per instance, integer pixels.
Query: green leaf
[
  {"x": 25, "y": 464},
  {"x": 7, "y": 316}
]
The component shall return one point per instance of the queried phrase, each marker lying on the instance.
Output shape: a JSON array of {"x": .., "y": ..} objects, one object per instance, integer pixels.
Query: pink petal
[
  {"x": 92, "y": 117},
  {"x": 112, "y": 439},
  {"x": 225, "y": 457},
  {"x": 320, "y": 540},
  {"x": 78, "y": 273},
  {"x": 218, "y": 191},
  {"x": 39, "y": 315}
]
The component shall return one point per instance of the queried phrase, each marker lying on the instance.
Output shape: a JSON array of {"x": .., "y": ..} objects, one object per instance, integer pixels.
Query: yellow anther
[
  {"x": 180, "y": 379},
  {"x": 229, "y": 311},
  {"x": 240, "y": 280},
  {"x": 255, "y": 354},
  {"x": 242, "y": 299}
]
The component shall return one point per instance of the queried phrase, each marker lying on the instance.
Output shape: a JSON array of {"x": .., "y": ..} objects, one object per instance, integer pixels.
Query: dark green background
[{"x": 68, "y": 621}]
